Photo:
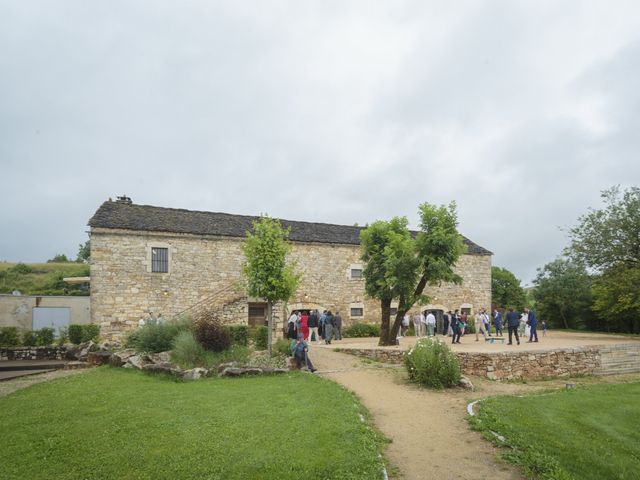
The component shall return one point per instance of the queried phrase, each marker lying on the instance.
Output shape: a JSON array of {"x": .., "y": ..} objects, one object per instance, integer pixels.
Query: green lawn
[
  {"x": 586, "y": 433},
  {"x": 121, "y": 424}
]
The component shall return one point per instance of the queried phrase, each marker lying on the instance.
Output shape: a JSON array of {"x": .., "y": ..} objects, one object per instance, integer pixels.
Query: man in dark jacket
[
  {"x": 337, "y": 326},
  {"x": 313, "y": 326},
  {"x": 513, "y": 319},
  {"x": 533, "y": 323},
  {"x": 445, "y": 324}
]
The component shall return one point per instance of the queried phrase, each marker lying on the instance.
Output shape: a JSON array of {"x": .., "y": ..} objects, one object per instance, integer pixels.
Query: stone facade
[{"x": 123, "y": 289}]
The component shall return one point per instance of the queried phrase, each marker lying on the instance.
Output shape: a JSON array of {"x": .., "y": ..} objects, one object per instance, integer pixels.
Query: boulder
[
  {"x": 162, "y": 357},
  {"x": 85, "y": 348},
  {"x": 195, "y": 373},
  {"x": 73, "y": 352},
  {"x": 166, "y": 368},
  {"x": 99, "y": 358},
  {"x": 110, "y": 346},
  {"x": 239, "y": 372},
  {"x": 138, "y": 361},
  {"x": 118, "y": 359},
  {"x": 75, "y": 365},
  {"x": 466, "y": 383},
  {"x": 222, "y": 366}
]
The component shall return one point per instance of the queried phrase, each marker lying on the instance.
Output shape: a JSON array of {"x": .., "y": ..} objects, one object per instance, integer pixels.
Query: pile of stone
[{"x": 161, "y": 363}]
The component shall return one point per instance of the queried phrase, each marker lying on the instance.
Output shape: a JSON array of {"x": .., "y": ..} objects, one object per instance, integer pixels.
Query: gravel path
[{"x": 10, "y": 386}]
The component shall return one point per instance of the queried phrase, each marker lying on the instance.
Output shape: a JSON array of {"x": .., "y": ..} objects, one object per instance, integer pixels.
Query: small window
[
  {"x": 159, "y": 260},
  {"x": 357, "y": 312},
  {"x": 356, "y": 273},
  {"x": 257, "y": 311},
  {"x": 394, "y": 311}
]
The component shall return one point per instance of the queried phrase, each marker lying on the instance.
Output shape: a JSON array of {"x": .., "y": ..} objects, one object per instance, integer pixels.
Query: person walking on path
[
  {"x": 323, "y": 320},
  {"x": 455, "y": 328},
  {"x": 522, "y": 329},
  {"x": 513, "y": 319},
  {"x": 497, "y": 321},
  {"x": 479, "y": 318},
  {"x": 417, "y": 324},
  {"x": 304, "y": 326},
  {"x": 487, "y": 321},
  {"x": 423, "y": 322},
  {"x": 328, "y": 328},
  {"x": 533, "y": 323},
  {"x": 463, "y": 323},
  {"x": 405, "y": 325},
  {"x": 337, "y": 326},
  {"x": 430, "y": 320},
  {"x": 300, "y": 351},
  {"x": 313, "y": 326},
  {"x": 291, "y": 326},
  {"x": 544, "y": 328}
]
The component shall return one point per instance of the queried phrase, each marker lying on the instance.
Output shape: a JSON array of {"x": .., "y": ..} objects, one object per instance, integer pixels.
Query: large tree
[
  {"x": 563, "y": 294},
  {"x": 267, "y": 273},
  {"x": 506, "y": 290},
  {"x": 616, "y": 296},
  {"x": 399, "y": 264}
]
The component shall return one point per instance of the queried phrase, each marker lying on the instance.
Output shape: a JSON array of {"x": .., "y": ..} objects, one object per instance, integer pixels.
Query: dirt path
[
  {"x": 10, "y": 386},
  {"x": 429, "y": 433}
]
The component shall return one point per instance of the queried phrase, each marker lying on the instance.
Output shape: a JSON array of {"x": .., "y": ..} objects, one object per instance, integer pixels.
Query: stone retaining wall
[
  {"x": 33, "y": 353},
  {"x": 591, "y": 360}
]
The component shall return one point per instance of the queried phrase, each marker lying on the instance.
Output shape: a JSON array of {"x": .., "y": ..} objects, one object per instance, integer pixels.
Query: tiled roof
[{"x": 126, "y": 216}]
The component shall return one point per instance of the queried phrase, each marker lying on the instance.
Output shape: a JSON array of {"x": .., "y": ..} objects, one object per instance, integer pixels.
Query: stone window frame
[
  {"x": 150, "y": 247},
  {"x": 356, "y": 305},
  {"x": 355, "y": 266}
]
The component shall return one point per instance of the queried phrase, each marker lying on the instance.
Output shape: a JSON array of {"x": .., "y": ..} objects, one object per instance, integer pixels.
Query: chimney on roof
[{"x": 124, "y": 199}]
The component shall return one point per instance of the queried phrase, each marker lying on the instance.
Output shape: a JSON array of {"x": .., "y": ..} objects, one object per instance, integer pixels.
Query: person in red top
[{"x": 304, "y": 326}]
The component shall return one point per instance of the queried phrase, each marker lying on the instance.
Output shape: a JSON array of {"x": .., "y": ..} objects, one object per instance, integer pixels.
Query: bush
[
  {"x": 9, "y": 337},
  {"x": 63, "y": 336},
  {"x": 21, "y": 268},
  {"x": 239, "y": 334},
  {"x": 187, "y": 351},
  {"x": 29, "y": 339},
  {"x": 45, "y": 336},
  {"x": 210, "y": 332},
  {"x": 358, "y": 330},
  {"x": 432, "y": 364},
  {"x": 235, "y": 353},
  {"x": 155, "y": 338},
  {"x": 261, "y": 337},
  {"x": 282, "y": 347},
  {"x": 75, "y": 334},
  {"x": 90, "y": 332}
]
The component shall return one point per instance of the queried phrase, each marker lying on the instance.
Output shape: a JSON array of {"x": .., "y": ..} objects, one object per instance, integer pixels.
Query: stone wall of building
[{"x": 123, "y": 288}]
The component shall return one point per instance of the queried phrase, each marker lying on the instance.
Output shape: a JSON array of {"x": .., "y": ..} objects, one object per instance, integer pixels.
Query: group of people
[
  {"x": 151, "y": 319},
  {"x": 313, "y": 326},
  {"x": 455, "y": 324}
]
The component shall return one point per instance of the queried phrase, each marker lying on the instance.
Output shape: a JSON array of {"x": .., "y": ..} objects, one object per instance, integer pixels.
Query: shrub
[
  {"x": 282, "y": 347},
  {"x": 239, "y": 334},
  {"x": 187, "y": 351},
  {"x": 75, "y": 334},
  {"x": 9, "y": 337},
  {"x": 90, "y": 332},
  {"x": 45, "y": 336},
  {"x": 261, "y": 337},
  {"x": 29, "y": 339},
  {"x": 432, "y": 364},
  {"x": 155, "y": 338},
  {"x": 235, "y": 353},
  {"x": 21, "y": 268},
  {"x": 362, "y": 330},
  {"x": 210, "y": 332},
  {"x": 132, "y": 339},
  {"x": 63, "y": 336}
]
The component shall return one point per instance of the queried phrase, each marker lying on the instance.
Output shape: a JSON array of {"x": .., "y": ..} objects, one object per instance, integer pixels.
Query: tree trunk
[
  {"x": 385, "y": 306},
  {"x": 564, "y": 319},
  {"x": 270, "y": 326}
]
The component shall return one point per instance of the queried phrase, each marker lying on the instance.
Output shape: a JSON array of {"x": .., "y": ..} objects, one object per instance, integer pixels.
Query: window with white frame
[
  {"x": 355, "y": 271},
  {"x": 356, "y": 311}
]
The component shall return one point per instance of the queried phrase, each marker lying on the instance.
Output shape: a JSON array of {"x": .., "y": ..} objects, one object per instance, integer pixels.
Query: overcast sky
[{"x": 338, "y": 112}]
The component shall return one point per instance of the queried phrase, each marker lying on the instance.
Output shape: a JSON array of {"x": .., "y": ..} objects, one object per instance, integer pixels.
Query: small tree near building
[
  {"x": 399, "y": 265},
  {"x": 267, "y": 274}
]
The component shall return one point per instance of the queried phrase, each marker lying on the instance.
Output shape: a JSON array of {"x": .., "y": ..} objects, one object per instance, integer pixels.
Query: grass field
[
  {"x": 43, "y": 279},
  {"x": 584, "y": 433},
  {"x": 120, "y": 424}
]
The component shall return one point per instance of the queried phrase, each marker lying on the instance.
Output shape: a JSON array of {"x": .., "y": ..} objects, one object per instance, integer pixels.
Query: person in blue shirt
[
  {"x": 533, "y": 323},
  {"x": 497, "y": 321},
  {"x": 513, "y": 320},
  {"x": 300, "y": 351}
]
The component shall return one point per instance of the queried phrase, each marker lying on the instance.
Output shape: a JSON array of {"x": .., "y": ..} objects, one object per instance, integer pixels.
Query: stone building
[{"x": 171, "y": 261}]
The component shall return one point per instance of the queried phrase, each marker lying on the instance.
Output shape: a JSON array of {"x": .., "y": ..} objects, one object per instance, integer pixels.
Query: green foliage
[
  {"x": 506, "y": 290},
  {"x": 9, "y": 337},
  {"x": 153, "y": 338},
  {"x": 42, "y": 279},
  {"x": 609, "y": 237},
  {"x": 399, "y": 265},
  {"x": 210, "y": 332},
  {"x": 239, "y": 334},
  {"x": 90, "y": 332},
  {"x": 359, "y": 330},
  {"x": 261, "y": 337},
  {"x": 29, "y": 338},
  {"x": 59, "y": 258},
  {"x": 235, "y": 353},
  {"x": 187, "y": 352},
  {"x": 617, "y": 298},
  {"x": 45, "y": 336},
  {"x": 75, "y": 334},
  {"x": 431, "y": 363},
  {"x": 84, "y": 252},
  {"x": 563, "y": 294},
  {"x": 282, "y": 347},
  {"x": 144, "y": 427},
  {"x": 586, "y": 433},
  {"x": 63, "y": 336}
]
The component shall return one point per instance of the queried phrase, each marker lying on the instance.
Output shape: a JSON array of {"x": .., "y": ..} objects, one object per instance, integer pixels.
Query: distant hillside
[{"x": 42, "y": 278}]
